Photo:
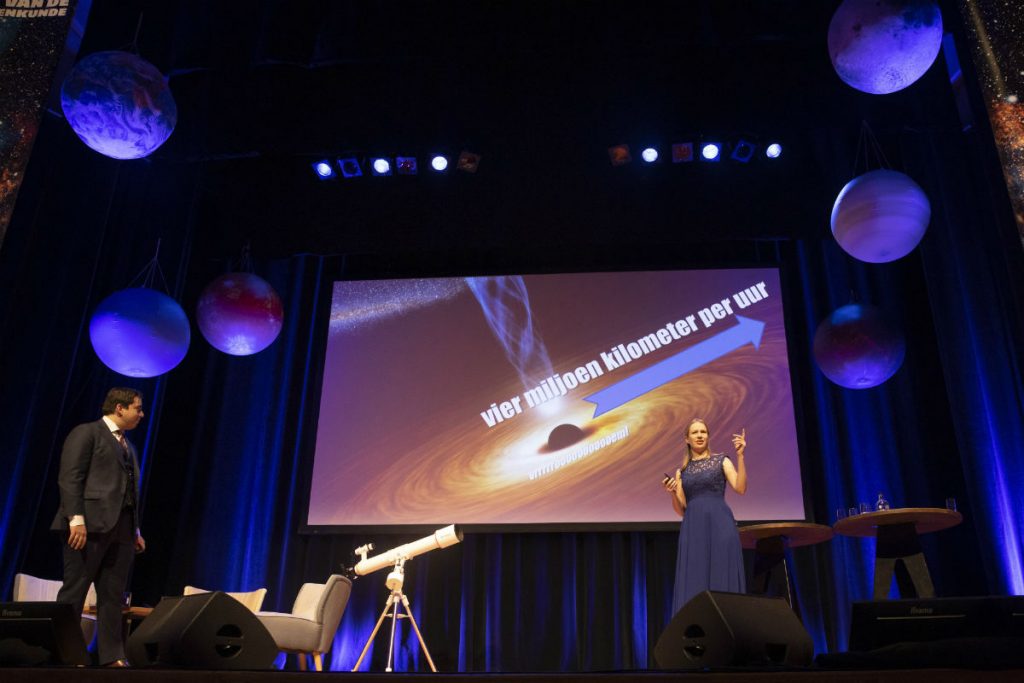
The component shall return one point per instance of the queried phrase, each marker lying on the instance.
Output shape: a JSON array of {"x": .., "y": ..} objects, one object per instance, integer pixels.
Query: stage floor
[{"x": 100, "y": 675}]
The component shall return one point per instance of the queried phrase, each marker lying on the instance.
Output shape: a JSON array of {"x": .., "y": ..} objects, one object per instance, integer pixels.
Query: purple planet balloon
[
  {"x": 880, "y": 216},
  {"x": 856, "y": 348},
  {"x": 881, "y": 46},
  {"x": 240, "y": 314},
  {"x": 139, "y": 332},
  {"x": 119, "y": 104}
]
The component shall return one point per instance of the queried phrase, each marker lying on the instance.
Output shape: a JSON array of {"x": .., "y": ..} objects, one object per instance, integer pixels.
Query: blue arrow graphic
[{"x": 746, "y": 330}]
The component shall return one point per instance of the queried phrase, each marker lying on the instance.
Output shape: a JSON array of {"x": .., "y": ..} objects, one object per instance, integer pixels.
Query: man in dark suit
[{"x": 98, "y": 515}]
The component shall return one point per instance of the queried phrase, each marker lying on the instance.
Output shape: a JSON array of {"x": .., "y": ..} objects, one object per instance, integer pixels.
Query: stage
[{"x": 97, "y": 675}]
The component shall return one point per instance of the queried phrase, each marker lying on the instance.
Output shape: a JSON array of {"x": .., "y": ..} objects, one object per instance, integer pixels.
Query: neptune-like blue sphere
[
  {"x": 880, "y": 216},
  {"x": 881, "y": 46},
  {"x": 119, "y": 104},
  {"x": 856, "y": 348},
  {"x": 139, "y": 332},
  {"x": 239, "y": 314}
]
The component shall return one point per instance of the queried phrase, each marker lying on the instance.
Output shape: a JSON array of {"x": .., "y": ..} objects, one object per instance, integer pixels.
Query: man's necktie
[
  {"x": 124, "y": 445},
  {"x": 127, "y": 462}
]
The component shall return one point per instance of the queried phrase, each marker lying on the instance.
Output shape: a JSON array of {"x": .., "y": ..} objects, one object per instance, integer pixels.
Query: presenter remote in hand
[{"x": 709, "y": 555}]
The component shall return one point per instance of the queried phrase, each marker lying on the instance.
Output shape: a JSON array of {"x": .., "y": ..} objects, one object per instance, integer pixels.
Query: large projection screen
[{"x": 549, "y": 399}]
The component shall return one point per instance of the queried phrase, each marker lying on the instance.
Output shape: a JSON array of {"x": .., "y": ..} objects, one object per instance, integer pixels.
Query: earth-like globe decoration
[
  {"x": 240, "y": 314},
  {"x": 139, "y": 332},
  {"x": 880, "y": 216},
  {"x": 856, "y": 348},
  {"x": 881, "y": 46},
  {"x": 119, "y": 104}
]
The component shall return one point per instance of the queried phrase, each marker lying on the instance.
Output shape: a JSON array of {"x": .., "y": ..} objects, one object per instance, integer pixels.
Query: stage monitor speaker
[
  {"x": 731, "y": 629},
  {"x": 879, "y": 623},
  {"x": 33, "y": 633},
  {"x": 203, "y": 631}
]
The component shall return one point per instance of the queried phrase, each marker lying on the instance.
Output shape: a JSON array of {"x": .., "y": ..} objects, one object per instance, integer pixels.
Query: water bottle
[{"x": 882, "y": 503}]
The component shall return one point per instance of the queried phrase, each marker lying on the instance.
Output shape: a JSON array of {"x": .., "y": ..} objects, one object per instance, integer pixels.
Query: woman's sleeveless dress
[{"x": 709, "y": 556}]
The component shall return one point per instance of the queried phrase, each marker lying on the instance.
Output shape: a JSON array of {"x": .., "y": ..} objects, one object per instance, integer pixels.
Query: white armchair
[
  {"x": 28, "y": 588},
  {"x": 310, "y": 627}
]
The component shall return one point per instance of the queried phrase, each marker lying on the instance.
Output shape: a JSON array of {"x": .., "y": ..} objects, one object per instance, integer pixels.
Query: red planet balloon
[{"x": 239, "y": 314}]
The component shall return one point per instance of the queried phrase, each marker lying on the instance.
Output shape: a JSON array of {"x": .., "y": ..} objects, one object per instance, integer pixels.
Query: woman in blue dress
[{"x": 709, "y": 556}]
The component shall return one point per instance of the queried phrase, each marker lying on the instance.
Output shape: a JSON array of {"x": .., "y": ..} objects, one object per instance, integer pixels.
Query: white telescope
[
  {"x": 442, "y": 538},
  {"x": 396, "y": 557}
]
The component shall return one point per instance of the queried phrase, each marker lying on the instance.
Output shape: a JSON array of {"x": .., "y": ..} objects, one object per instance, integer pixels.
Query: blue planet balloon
[
  {"x": 240, "y": 314},
  {"x": 119, "y": 104},
  {"x": 139, "y": 332},
  {"x": 856, "y": 348},
  {"x": 881, "y": 46}
]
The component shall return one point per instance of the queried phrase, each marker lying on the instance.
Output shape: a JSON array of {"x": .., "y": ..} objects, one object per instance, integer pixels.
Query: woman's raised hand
[{"x": 739, "y": 441}]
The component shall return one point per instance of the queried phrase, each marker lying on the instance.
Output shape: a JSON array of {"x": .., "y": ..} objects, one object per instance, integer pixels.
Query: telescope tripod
[{"x": 395, "y": 580}]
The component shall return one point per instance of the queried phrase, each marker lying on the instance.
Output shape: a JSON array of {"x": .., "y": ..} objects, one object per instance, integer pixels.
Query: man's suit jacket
[{"x": 92, "y": 478}]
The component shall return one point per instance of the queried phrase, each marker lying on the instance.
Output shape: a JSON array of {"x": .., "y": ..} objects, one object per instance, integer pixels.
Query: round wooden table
[
  {"x": 898, "y": 548},
  {"x": 769, "y": 542},
  {"x": 128, "y": 615},
  {"x": 790, "y": 534}
]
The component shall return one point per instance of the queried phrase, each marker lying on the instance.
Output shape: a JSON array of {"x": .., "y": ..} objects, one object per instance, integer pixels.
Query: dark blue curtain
[
  {"x": 976, "y": 287},
  {"x": 227, "y": 441}
]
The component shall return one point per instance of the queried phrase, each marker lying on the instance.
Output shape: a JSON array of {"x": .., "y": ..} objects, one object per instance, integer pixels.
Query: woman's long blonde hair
[{"x": 689, "y": 451}]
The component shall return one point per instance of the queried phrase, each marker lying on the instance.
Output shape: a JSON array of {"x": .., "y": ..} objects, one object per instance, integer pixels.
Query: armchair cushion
[
  {"x": 290, "y": 632},
  {"x": 251, "y": 599},
  {"x": 28, "y": 588}
]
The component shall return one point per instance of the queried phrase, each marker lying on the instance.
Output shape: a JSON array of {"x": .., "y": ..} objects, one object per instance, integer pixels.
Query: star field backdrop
[{"x": 539, "y": 90}]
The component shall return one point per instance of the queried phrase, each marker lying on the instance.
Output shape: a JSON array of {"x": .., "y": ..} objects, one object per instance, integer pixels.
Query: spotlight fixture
[
  {"x": 380, "y": 166},
  {"x": 743, "y": 151},
  {"x": 619, "y": 155},
  {"x": 405, "y": 165},
  {"x": 468, "y": 162},
  {"x": 711, "y": 151},
  {"x": 682, "y": 152},
  {"x": 773, "y": 151},
  {"x": 439, "y": 163},
  {"x": 323, "y": 169},
  {"x": 350, "y": 167},
  {"x": 650, "y": 155}
]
